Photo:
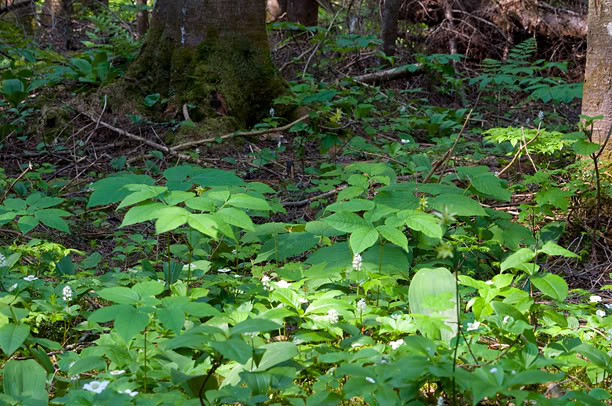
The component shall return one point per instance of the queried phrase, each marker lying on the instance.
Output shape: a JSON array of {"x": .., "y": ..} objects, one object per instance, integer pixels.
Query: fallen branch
[{"x": 389, "y": 74}]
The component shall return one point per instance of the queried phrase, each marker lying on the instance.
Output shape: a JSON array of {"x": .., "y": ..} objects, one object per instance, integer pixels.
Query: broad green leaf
[
  {"x": 394, "y": 235},
  {"x": 346, "y": 222},
  {"x": 584, "y": 147},
  {"x": 129, "y": 322},
  {"x": 25, "y": 380},
  {"x": 204, "y": 223},
  {"x": 27, "y": 223},
  {"x": 140, "y": 193},
  {"x": 177, "y": 196},
  {"x": 110, "y": 190},
  {"x": 533, "y": 377},
  {"x": 287, "y": 245},
  {"x": 211, "y": 177},
  {"x": 201, "y": 309},
  {"x": 457, "y": 205},
  {"x": 65, "y": 266},
  {"x": 351, "y": 206},
  {"x": 39, "y": 201},
  {"x": 363, "y": 238},
  {"x": 141, "y": 213},
  {"x": 236, "y": 218},
  {"x": 551, "y": 285},
  {"x": 324, "y": 305},
  {"x": 596, "y": 356},
  {"x": 149, "y": 288},
  {"x": 286, "y": 296},
  {"x": 119, "y": 294},
  {"x": 423, "y": 222},
  {"x": 276, "y": 353},
  {"x": 244, "y": 201},
  {"x": 105, "y": 314},
  {"x": 48, "y": 218},
  {"x": 87, "y": 364},
  {"x": 551, "y": 248},
  {"x": 518, "y": 259},
  {"x": 254, "y": 326},
  {"x": 12, "y": 336},
  {"x": 15, "y": 204},
  {"x": 234, "y": 349},
  {"x": 171, "y": 318},
  {"x": 170, "y": 218}
]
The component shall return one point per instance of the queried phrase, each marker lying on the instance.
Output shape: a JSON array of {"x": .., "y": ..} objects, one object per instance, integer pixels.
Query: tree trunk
[
  {"x": 215, "y": 58},
  {"x": 23, "y": 13},
  {"x": 390, "y": 16},
  {"x": 597, "y": 94},
  {"x": 305, "y": 12},
  {"x": 142, "y": 19},
  {"x": 57, "y": 19}
]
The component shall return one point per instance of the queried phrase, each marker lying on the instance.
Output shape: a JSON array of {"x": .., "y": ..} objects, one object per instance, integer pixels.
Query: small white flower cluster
[
  {"x": 396, "y": 344},
  {"x": 333, "y": 316},
  {"x": 96, "y": 386},
  {"x": 361, "y": 306},
  {"x": 224, "y": 270},
  {"x": 357, "y": 261},
  {"x": 282, "y": 284},
  {"x": 440, "y": 401},
  {"x": 100, "y": 386},
  {"x": 595, "y": 299},
  {"x": 600, "y": 313},
  {"x": 265, "y": 281},
  {"x": 67, "y": 293},
  {"x": 473, "y": 326},
  {"x": 3, "y": 261},
  {"x": 405, "y": 141},
  {"x": 30, "y": 278},
  {"x": 117, "y": 372},
  {"x": 189, "y": 267}
]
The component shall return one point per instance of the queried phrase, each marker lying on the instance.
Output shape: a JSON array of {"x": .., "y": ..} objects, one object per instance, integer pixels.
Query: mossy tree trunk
[
  {"x": 597, "y": 94},
  {"x": 57, "y": 19},
  {"x": 211, "y": 55}
]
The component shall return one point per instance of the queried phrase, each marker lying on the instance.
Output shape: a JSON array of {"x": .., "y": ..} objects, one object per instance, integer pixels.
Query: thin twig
[
  {"x": 16, "y": 180},
  {"x": 450, "y": 151},
  {"x": 324, "y": 37}
]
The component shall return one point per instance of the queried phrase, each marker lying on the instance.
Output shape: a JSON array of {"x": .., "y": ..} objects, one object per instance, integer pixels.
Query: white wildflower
[
  {"x": 493, "y": 370},
  {"x": 282, "y": 284},
  {"x": 303, "y": 300},
  {"x": 163, "y": 282},
  {"x": 361, "y": 306},
  {"x": 600, "y": 313},
  {"x": 234, "y": 252},
  {"x": 440, "y": 401},
  {"x": 595, "y": 299},
  {"x": 272, "y": 111},
  {"x": 402, "y": 109},
  {"x": 396, "y": 344},
  {"x": 3, "y": 261},
  {"x": 405, "y": 141},
  {"x": 96, "y": 386},
  {"x": 333, "y": 316},
  {"x": 506, "y": 318},
  {"x": 513, "y": 372},
  {"x": 117, "y": 372},
  {"x": 357, "y": 261},
  {"x": 30, "y": 278},
  {"x": 133, "y": 270},
  {"x": 74, "y": 378},
  {"x": 13, "y": 287},
  {"x": 224, "y": 270},
  {"x": 189, "y": 267},
  {"x": 265, "y": 281},
  {"x": 489, "y": 282},
  {"x": 67, "y": 293},
  {"x": 370, "y": 379},
  {"x": 473, "y": 326},
  {"x": 129, "y": 392},
  {"x": 541, "y": 115}
]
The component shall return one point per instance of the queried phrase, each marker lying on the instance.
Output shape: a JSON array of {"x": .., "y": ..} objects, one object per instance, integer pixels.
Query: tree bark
[
  {"x": 305, "y": 12},
  {"x": 57, "y": 19},
  {"x": 390, "y": 16},
  {"x": 215, "y": 58},
  {"x": 597, "y": 94},
  {"x": 142, "y": 19},
  {"x": 24, "y": 14}
]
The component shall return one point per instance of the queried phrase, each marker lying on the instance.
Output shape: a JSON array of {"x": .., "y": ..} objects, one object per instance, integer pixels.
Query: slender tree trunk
[
  {"x": 142, "y": 19},
  {"x": 215, "y": 58},
  {"x": 390, "y": 16},
  {"x": 597, "y": 95},
  {"x": 305, "y": 12},
  {"x": 57, "y": 19}
]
